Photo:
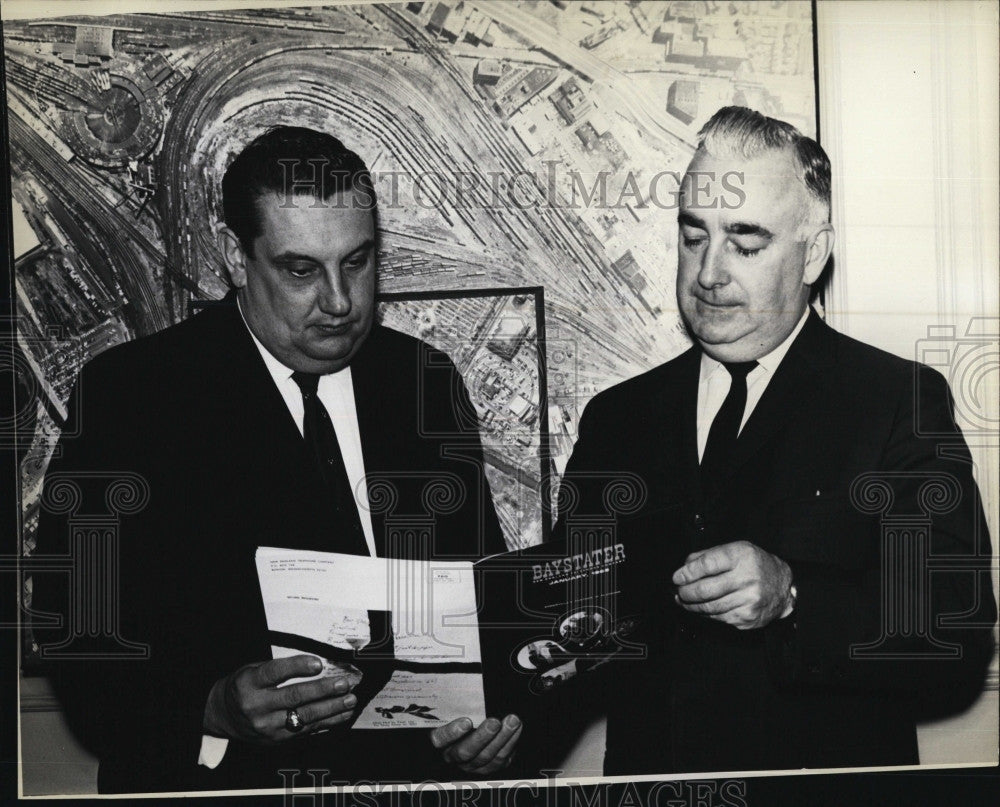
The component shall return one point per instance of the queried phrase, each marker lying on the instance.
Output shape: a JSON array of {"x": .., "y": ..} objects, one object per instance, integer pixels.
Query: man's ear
[
  {"x": 233, "y": 255},
  {"x": 818, "y": 250}
]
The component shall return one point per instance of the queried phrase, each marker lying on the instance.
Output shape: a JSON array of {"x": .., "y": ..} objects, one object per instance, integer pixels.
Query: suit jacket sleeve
[
  {"x": 147, "y": 705},
  {"x": 472, "y": 530},
  {"x": 851, "y": 627},
  {"x": 492, "y": 535},
  {"x": 560, "y": 719}
]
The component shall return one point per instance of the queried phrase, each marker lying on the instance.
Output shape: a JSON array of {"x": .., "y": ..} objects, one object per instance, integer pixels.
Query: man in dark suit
[
  {"x": 795, "y": 502},
  {"x": 281, "y": 416}
]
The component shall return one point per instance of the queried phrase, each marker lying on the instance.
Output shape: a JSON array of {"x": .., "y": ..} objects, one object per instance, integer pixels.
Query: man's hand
[
  {"x": 737, "y": 583},
  {"x": 249, "y": 705},
  {"x": 483, "y": 750}
]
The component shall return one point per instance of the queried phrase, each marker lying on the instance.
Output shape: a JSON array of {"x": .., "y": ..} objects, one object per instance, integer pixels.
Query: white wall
[{"x": 909, "y": 116}]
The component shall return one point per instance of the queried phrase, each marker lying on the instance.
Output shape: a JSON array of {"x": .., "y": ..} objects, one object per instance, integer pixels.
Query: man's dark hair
[
  {"x": 290, "y": 161},
  {"x": 748, "y": 133}
]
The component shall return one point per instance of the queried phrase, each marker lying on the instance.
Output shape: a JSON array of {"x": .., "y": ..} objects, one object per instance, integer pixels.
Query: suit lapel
[
  {"x": 262, "y": 431},
  {"x": 795, "y": 384},
  {"x": 370, "y": 397},
  {"x": 260, "y": 407},
  {"x": 686, "y": 424}
]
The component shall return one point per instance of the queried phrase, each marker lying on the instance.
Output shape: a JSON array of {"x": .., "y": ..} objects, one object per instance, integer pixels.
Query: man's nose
[
  {"x": 712, "y": 272},
  {"x": 334, "y": 298}
]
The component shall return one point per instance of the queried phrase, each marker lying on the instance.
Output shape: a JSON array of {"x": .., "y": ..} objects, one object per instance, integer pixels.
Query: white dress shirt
[
  {"x": 336, "y": 393},
  {"x": 714, "y": 383}
]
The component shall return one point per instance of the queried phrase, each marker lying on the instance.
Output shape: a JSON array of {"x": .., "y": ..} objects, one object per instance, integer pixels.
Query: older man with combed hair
[{"x": 795, "y": 628}]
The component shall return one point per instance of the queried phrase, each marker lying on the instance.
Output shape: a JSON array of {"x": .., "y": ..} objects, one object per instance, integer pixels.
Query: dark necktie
[
  {"x": 321, "y": 439},
  {"x": 725, "y": 428}
]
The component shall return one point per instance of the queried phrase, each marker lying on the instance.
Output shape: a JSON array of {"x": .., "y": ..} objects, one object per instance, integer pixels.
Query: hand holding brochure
[
  {"x": 552, "y": 614},
  {"x": 339, "y": 607},
  {"x": 522, "y": 622}
]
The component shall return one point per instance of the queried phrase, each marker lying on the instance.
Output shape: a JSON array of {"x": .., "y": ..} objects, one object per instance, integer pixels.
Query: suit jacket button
[{"x": 699, "y": 522}]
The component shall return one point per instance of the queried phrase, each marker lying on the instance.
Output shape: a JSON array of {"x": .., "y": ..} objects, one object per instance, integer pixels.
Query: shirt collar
[{"x": 769, "y": 362}]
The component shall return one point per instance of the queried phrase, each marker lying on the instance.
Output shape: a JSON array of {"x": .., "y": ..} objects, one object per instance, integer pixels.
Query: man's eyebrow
[
  {"x": 288, "y": 257},
  {"x": 291, "y": 256},
  {"x": 364, "y": 245},
  {"x": 736, "y": 228},
  {"x": 743, "y": 228},
  {"x": 690, "y": 221}
]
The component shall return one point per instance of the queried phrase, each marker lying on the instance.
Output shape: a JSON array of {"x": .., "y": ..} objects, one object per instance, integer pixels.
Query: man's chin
[
  {"x": 716, "y": 330},
  {"x": 724, "y": 344},
  {"x": 329, "y": 358}
]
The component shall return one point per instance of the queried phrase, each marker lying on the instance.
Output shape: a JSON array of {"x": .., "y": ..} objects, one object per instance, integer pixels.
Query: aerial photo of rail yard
[{"x": 515, "y": 145}]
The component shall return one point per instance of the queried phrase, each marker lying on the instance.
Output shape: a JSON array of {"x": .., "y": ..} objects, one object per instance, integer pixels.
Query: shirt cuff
[
  {"x": 793, "y": 596},
  {"x": 213, "y": 749}
]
